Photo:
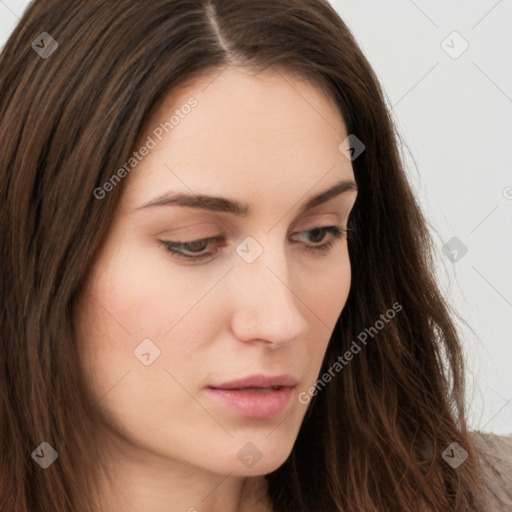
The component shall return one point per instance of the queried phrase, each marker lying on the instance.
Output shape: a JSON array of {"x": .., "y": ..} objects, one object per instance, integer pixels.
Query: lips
[
  {"x": 257, "y": 396},
  {"x": 259, "y": 381}
]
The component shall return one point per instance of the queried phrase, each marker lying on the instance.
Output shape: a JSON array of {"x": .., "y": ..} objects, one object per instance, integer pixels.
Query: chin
[{"x": 252, "y": 461}]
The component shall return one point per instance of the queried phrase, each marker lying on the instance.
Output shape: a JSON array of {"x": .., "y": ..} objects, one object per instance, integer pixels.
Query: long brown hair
[{"x": 372, "y": 438}]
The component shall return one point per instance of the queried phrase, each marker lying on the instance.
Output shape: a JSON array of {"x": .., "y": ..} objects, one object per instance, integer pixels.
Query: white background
[{"x": 455, "y": 115}]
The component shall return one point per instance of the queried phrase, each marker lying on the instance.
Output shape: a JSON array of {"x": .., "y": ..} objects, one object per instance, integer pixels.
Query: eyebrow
[{"x": 224, "y": 205}]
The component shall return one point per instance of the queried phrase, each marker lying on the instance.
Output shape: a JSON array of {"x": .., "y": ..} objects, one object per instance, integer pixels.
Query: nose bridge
[{"x": 266, "y": 306}]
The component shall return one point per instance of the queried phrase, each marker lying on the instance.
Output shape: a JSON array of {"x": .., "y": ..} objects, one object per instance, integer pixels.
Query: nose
[{"x": 266, "y": 307}]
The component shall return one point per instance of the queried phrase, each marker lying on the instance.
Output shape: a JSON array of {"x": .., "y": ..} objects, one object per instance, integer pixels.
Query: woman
[{"x": 217, "y": 283}]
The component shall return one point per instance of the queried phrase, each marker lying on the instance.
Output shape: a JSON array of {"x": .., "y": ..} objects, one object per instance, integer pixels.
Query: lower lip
[{"x": 254, "y": 404}]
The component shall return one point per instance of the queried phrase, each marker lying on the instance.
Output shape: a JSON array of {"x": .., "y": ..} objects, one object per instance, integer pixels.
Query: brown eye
[
  {"x": 196, "y": 245},
  {"x": 194, "y": 248},
  {"x": 317, "y": 235}
]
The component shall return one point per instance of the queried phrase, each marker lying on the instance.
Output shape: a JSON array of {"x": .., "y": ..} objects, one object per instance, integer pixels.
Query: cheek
[
  {"x": 328, "y": 298},
  {"x": 144, "y": 295},
  {"x": 120, "y": 311},
  {"x": 142, "y": 291},
  {"x": 327, "y": 293}
]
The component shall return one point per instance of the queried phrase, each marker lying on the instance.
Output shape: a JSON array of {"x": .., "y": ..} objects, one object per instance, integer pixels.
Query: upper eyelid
[
  {"x": 220, "y": 237},
  {"x": 334, "y": 217}
]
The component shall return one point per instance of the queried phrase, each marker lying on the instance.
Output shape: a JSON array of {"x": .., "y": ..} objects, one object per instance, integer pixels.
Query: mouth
[
  {"x": 257, "y": 397},
  {"x": 258, "y": 390},
  {"x": 258, "y": 382}
]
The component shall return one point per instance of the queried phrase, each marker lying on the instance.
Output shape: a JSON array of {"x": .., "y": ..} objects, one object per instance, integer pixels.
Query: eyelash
[{"x": 339, "y": 233}]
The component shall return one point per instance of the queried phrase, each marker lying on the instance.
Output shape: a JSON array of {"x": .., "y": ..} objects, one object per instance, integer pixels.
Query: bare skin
[{"x": 268, "y": 140}]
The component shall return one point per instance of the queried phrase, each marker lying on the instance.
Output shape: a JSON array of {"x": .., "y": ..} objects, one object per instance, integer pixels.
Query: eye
[
  {"x": 195, "y": 249},
  {"x": 318, "y": 234}
]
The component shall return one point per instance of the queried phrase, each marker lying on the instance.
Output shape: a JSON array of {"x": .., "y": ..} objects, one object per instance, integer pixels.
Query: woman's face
[{"x": 161, "y": 333}]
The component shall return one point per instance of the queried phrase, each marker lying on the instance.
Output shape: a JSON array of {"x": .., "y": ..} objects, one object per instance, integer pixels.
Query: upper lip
[{"x": 258, "y": 381}]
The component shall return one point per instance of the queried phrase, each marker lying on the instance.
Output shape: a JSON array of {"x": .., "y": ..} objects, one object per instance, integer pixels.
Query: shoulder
[{"x": 495, "y": 456}]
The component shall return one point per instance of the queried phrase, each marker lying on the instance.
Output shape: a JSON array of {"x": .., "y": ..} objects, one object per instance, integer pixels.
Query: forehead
[{"x": 245, "y": 130}]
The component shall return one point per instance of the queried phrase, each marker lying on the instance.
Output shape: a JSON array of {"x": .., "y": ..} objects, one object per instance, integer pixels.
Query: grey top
[{"x": 495, "y": 454}]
